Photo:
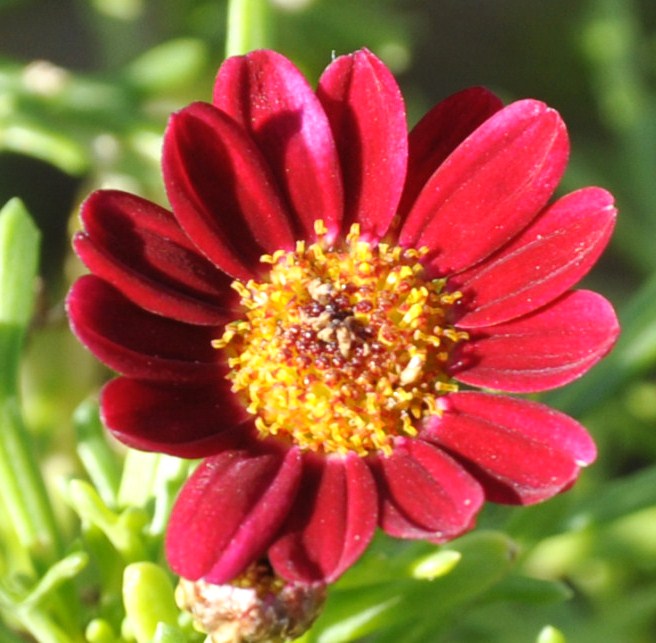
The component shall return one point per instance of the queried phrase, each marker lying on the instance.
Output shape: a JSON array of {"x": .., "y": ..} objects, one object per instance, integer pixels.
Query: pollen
[{"x": 342, "y": 348}]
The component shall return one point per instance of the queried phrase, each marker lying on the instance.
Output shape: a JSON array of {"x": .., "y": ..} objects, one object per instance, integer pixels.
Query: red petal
[
  {"x": 229, "y": 511},
  {"x": 185, "y": 421},
  {"x": 548, "y": 348},
  {"x": 332, "y": 521},
  {"x": 139, "y": 248},
  {"x": 135, "y": 342},
  {"x": 221, "y": 190},
  {"x": 521, "y": 451},
  {"x": 489, "y": 188},
  {"x": 425, "y": 493},
  {"x": 367, "y": 115},
  {"x": 548, "y": 258},
  {"x": 269, "y": 97},
  {"x": 439, "y": 132}
]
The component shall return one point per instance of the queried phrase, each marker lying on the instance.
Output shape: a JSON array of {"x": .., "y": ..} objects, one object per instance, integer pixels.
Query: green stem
[{"x": 248, "y": 26}]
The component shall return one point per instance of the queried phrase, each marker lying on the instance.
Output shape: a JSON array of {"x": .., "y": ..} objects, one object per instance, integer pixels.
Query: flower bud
[{"x": 255, "y": 607}]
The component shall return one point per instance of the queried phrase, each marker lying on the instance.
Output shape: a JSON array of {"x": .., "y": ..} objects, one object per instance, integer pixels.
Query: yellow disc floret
[{"x": 341, "y": 349}]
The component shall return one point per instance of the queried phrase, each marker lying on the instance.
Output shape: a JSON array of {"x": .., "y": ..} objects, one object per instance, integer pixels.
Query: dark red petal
[
  {"x": 547, "y": 259},
  {"x": 489, "y": 188},
  {"x": 425, "y": 493},
  {"x": 331, "y": 523},
  {"x": 229, "y": 511},
  {"x": 439, "y": 132},
  {"x": 540, "y": 351},
  {"x": 367, "y": 115},
  {"x": 221, "y": 190},
  {"x": 522, "y": 452},
  {"x": 185, "y": 421},
  {"x": 137, "y": 343},
  {"x": 269, "y": 97},
  {"x": 140, "y": 249}
]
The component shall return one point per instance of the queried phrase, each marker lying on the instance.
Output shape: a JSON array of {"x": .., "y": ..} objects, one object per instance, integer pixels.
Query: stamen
[{"x": 342, "y": 349}]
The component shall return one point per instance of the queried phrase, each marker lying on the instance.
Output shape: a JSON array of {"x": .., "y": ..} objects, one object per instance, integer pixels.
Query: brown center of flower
[{"x": 342, "y": 349}]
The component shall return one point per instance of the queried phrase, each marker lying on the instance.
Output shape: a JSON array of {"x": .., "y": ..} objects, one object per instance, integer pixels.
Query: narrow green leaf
[
  {"x": 436, "y": 565},
  {"x": 550, "y": 634},
  {"x": 21, "y": 484},
  {"x": 124, "y": 530},
  {"x": 483, "y": 559},
  {"x": 100, "y": 461},
  {"x": 19, "y": 252},
  {"x": 37, "y": 139},
  {"x": 525, "y": 589},
  {"x": 59, "y": 573},
  {"x": 168, "y": 66},
  {"x": 620, "y": 498}
]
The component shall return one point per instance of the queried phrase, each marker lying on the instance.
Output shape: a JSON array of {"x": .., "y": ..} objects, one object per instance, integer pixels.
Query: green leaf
[
  {"x": 435, "y": 565},
  {"x": 525, "y": 589},
  {"x": 148, "y": 599},
  {"x": 100, "y": 461},
  {"x": 124, "y": 530},
  {"x": 22, "y": 488},
  {"x": 26, "y": 606},
  {"x": 168, "y": 66},
  {"x": 620, "y": 498},
  {"x": 35, "y": 138},
  {"x": 482, "y": 560},
  {"x": 550, "y": 634},
  {"x": 19, "y": 252}
]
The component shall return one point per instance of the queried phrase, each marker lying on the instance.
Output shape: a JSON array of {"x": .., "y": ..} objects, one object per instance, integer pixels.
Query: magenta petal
[
  {"x": 367, "y": 115},
  {"x": 332, "y": 521},
  {"x": 540, "y": 351},
  {"x": 269, "y": 97},
  {"x": 229, "y": 511},
  {"x": 522, "y": 452},
  {"x": 489, "y": 188},
  {"x": 185, "y": 421},
  {"x": 221, "y": 190},
  {"x": 439, "y": 132},
  {"x": 548, "y": 258},
  {"x": 140, "y": 249},
  {"x": 425, "y": 493},
  {"x": 135, "y": 342}
]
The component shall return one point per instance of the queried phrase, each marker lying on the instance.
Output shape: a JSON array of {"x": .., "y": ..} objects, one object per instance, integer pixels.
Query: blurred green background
[{"x": 85, "y": 90}]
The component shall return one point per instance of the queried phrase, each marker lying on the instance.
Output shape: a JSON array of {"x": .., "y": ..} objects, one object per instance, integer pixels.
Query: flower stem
[{"x": 248, "y": 26}]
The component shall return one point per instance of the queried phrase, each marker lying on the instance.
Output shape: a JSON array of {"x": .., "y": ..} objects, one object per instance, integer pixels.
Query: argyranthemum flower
[{"x": 305, "y": 317}]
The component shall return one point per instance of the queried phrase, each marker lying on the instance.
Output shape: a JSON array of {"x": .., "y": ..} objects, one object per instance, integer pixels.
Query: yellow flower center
[{"x": 342, "y": 349}]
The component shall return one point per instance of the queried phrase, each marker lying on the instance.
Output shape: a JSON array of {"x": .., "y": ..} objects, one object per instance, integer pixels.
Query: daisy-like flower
[{"x": 313, "y": 315}]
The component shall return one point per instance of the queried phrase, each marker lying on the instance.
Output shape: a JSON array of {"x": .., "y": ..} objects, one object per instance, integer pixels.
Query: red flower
[{"x": 373, "y": 271}]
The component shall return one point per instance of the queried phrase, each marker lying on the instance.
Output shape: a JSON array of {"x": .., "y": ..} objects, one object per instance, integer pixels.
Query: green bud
[{"x": 148, "y": 599}]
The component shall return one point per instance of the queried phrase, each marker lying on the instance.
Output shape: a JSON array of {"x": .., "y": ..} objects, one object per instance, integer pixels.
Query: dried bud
[{"x": 256, "y": 607}]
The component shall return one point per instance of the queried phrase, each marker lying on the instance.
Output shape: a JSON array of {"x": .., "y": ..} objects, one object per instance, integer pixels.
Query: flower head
[{"x": 305, "y": 316}]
